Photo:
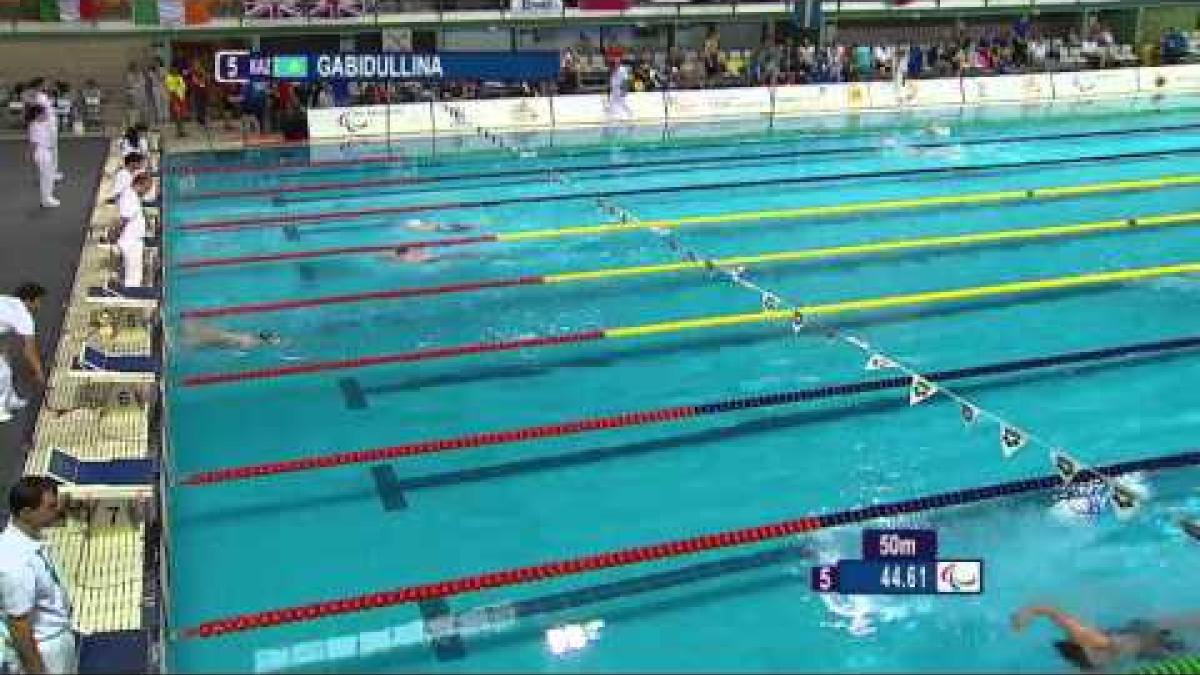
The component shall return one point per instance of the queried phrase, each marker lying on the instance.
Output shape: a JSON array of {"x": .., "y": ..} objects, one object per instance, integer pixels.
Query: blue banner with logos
[{"x": 525, "y": 66}]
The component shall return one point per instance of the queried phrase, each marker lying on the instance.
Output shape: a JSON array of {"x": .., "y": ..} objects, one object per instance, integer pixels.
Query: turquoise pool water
[{"x": 304, "y": 537}]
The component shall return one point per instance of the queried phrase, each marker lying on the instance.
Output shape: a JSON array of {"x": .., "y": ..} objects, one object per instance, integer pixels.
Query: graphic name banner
[{"x": 241, "y": 66}]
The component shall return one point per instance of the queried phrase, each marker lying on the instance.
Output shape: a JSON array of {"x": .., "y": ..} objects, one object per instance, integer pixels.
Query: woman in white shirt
[{"x": 41, "y": 146}]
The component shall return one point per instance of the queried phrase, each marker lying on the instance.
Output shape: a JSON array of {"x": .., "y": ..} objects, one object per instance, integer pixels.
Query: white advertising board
[
  {"x": 369, "y": 121},
  {"x": 743, "y": 103},
  {"x": 499, "y": 114},
  {"x": 1030, "y": 88},
  {"x": 1095, "y": 83},
  {"x": 593, "y": 110},
  {"x": 1170, "y": 78},
  {"x": 819, "y": 98}
]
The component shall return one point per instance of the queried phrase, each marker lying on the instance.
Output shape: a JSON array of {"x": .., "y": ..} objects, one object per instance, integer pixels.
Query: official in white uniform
[
  {"x": 133, "y": 164},
  {"x": 41, "y": 147},
  {"x": 37, "y": 609},
  {"x": 618, "y": 88},
  {"x": 133, "y": 230},
  {"x": 16, "y": 318},
  {"x": 40, "y": 97}
]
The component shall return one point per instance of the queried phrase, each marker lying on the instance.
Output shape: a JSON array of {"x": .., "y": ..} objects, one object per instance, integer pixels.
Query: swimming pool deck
[{"x": 101, "y": 548}]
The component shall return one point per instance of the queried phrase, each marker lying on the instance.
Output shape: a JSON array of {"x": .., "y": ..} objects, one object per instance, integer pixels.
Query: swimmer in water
[
  {"x": 415, "y": 255},
  {"x": 200, "y": 334},
  {"x": 1090, "y": 648},
  {"x": 1191, "y": 527},
  {"x": 428, "y": 226},
  {"x": 937, "y": 131}
]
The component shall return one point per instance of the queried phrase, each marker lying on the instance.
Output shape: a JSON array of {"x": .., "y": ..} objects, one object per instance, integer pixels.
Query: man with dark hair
[
  {"x": 37, "y": 610},
  {"x": 16, "y": 316}
]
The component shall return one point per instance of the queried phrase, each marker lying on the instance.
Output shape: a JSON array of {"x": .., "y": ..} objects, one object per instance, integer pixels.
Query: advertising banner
[
  {"x": 1095, "y": 83},
  {"x": 743, "y": 103},
  {"x": 1170, "y": 78},
  {"x": 1031, "y": 88}
]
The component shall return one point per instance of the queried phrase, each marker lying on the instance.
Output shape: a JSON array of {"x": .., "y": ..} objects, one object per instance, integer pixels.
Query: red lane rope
[
  {"x": 404, "y": 357},
  {"x": 339, "y": 250},
  {"x": 443, "y": 445},
  {"x": 670, "y": 549},
  {"x": 361, "y": 297},
  {"x": 510, "y": 577},
  {"x": 280, "y": 221},
  {"x": 287, "y": 166}
]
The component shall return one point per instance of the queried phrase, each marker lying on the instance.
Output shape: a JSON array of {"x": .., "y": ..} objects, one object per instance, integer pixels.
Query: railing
[{"x": 120, "y": 15}]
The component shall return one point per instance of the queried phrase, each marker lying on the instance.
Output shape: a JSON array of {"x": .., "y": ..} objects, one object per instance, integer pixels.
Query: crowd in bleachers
[{"x": 1019, "y": 48}]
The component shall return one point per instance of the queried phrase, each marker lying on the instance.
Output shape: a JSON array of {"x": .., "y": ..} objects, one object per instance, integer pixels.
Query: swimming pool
[{"x": 301, "y": 537}]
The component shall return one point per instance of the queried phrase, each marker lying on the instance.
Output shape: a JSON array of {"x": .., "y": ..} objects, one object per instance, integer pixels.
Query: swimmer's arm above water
[{"x": 1077, "y": 631}]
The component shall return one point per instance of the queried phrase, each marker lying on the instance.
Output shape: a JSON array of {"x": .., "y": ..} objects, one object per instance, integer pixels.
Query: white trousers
[
  {"x": 43, "y": 159},
  {"x": 8, "y": 393},
  {"x": 60, "y": 655},
  {"x": 618, "y": 108},
  {"x": 132, "y": 266}
]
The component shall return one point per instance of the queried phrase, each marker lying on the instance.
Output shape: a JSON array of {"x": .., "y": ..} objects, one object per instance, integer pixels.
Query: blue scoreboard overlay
[{"x": 899, "y": 562}]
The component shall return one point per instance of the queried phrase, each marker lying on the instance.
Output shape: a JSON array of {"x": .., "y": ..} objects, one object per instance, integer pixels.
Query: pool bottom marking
[{"x": 389, "y": 488}]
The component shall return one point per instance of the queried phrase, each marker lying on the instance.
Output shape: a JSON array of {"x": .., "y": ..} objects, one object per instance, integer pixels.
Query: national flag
[
  {"x": 273, "y": 9},
  {"x": 338, "y": 9},
  {"x": 171, "y": 12},
  {"x": 68, "y": 10}
]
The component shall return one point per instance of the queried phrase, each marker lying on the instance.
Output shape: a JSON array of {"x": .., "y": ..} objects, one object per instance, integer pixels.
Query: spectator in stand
[
  {"x": 1174, "y": 46},
  {"x": 712, "y": 56},
  {"x": 156, "y": 94},
  {"x": 177, "y": 94},
  {"x": 231, "y": 103},
  {"x": 198, "y": 92},
  {"x": 293, "y": 124},
  {"x": 571, "y": 80},
  {"x": 136, "y": 96},
  {"x": 254, "y": 107}
]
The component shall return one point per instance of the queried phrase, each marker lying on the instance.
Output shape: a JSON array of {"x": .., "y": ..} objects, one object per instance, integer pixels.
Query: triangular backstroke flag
[
  {"x": 1012, "y": 439},
  {"x": 1067, "y": 466},
  {"x": 920, "y": 390},
  {"x": 879, "y": 362},
  {"x": 969, "y": 413},
  {"x": 770, "y": 301},
  {"x": 1124, "y": 500}
]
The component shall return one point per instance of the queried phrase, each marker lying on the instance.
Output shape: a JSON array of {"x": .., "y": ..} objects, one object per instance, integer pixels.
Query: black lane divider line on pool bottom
[
  {"x": 353, "y": 393},
  {"x": 500, "y": 617},
  {"x": 387, "y": 487},
  {"x": 297, "y": 219},
  {"x": 673, "y": 414},
  {"x": 278, "y": 193},
  {"x": 670, "y": 549}
]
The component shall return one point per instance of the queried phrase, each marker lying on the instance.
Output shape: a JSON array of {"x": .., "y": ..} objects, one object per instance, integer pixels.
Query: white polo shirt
[
  {"x": 43, "y": 99},
  {"x": 29, "y": 582},
  {"x": 122, "y": 179},
  {"x": 41, "y": 134},
  {"x": 129, "y": 205},
  {"x": 15, "y": 317}
]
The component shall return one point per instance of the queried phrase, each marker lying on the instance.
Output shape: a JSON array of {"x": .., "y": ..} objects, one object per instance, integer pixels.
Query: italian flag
[
  {"x": 69, "y": 10},
  {"x": 171, "y": 12}
]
